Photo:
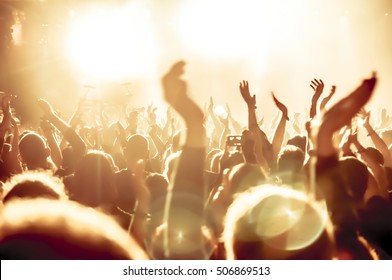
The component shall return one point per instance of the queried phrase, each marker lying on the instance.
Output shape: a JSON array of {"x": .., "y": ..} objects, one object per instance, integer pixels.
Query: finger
[{"x": 277, "y": 102}]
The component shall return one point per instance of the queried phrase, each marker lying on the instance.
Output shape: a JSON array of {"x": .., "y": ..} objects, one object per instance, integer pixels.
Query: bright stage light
[
  {"x": 110, "y": 44},
  {"x": 238, "y": 28}
]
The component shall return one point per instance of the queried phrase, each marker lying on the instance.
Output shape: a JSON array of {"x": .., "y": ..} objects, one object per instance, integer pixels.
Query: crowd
[{"x": 197, "y": 185}]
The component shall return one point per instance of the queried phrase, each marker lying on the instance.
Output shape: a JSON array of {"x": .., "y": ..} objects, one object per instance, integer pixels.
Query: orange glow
[{"x": 106, "y": 45}]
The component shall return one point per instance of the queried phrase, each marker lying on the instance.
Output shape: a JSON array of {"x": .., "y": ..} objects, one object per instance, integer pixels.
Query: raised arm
[
  {"x": 376, "y": 139},
  {"x": 340, "y": 115},
  {"x": 9, "y": 127},
  {"x": 251, "y": 103},
  {"x": 326, "y": 99},
  {"x": 280, "y": 128},
  {"x": 377, "y": 170},
  {"x": 185, "y": 201},
  {"x": 262, "y": 145},
  {"x": 318, "y": 87},
  {"x": 175, "y": 93},
  {"x": 331, "y": 184},
  {"x": 79, "y": 147}
]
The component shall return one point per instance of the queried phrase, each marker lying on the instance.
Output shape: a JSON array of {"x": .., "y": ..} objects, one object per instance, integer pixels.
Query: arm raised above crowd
[
  {"x": 261, "y": 142},
  {"x": 326, "y": 99},
  {"x": 340, "y": 115},
  {"x": 376, "y": 139},
  {"x": 318, "y": 87},
  {"x": 175, "y": 93},
  {"x": 280, "y": 128},
  {"x": 68, "y": 132}
]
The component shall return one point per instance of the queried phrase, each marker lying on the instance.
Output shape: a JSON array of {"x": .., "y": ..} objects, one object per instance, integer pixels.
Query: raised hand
[
  {"x": 317, "y": 86},
  {"x": 46, "y": 108},
  {"x": 245, "y": 93},
  {"x": 281, "y": 107},
  {"x": 174, "y": 86},
  {"x": 342, "y": 113},
  {"x": 46, "y": 126}
]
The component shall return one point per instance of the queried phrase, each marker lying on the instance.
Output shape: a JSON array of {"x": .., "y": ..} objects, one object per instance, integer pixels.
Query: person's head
[
  {"x": 245, "y": 175},
  {"x": 157, "y": 184},
  {"x": 33, "y": 184},
  {"x": 94, "y": 180},
  {"x": 136, "y": 148},
  {"x": 269, "y": 222},
  {"x": 60, "y": 230},
  {"x": 33, "y": 152},
  {"x": 355, "y": 177},
  {"x": 346, "y": 195},
  {"x": 291, "y": 158}
]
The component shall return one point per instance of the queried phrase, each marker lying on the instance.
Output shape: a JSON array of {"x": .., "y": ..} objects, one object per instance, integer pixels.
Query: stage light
[
  {"x": 238, "y": 29},
  {"x": 216, "y": 28},
  {"x": 110, "y": 44}
]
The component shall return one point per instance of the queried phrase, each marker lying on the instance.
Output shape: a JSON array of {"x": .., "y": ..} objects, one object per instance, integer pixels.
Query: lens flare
[{"x": 277, "y": 217}]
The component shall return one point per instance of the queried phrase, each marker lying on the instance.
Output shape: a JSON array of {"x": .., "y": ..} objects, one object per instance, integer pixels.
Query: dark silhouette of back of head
[
  {"x": 47, "y": 229},
  {"x": 33, "y": 152},
  {"x": 34, "y": 185},
  {"x": 94, "y": 181},
  {"x": 137, "y": 148}
]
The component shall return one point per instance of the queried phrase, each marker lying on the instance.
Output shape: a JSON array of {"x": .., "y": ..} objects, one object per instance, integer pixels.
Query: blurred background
[{"x": 117, "y": 50}]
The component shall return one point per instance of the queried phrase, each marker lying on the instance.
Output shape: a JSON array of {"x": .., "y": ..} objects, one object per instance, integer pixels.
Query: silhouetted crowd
[{"x": 195, "y": 184}]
